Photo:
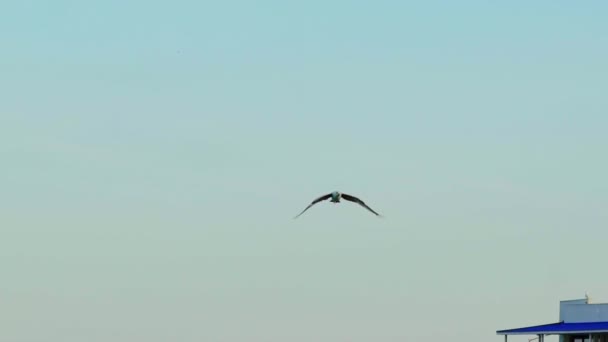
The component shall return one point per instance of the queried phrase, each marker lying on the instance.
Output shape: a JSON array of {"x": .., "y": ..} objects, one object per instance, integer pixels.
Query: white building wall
[
  {"x": 573, "y": 313},
  {"x": 565, "y": 304},
  {"x": 580, "y": 310}
]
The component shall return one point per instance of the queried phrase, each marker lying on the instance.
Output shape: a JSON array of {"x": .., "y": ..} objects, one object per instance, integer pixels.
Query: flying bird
[{"x": 335, "y": 198}]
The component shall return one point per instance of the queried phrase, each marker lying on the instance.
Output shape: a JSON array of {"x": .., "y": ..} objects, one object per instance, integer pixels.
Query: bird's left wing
[
  {"x": 322, "y": 198},
  {"x": 356, "y": 200}
]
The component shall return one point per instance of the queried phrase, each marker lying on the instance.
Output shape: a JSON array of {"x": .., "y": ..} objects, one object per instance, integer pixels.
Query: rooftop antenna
[{"x": 587, "y": 297}]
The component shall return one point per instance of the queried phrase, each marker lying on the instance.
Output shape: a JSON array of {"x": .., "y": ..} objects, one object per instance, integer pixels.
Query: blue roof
[{"x": 558, "y": 328}]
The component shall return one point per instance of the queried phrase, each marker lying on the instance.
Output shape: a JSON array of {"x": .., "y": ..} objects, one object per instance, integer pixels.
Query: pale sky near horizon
[{"x": 154, "y": 154}]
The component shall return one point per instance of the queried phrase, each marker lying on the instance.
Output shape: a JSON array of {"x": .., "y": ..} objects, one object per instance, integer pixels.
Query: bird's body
[{"x": 335, "y": 198}]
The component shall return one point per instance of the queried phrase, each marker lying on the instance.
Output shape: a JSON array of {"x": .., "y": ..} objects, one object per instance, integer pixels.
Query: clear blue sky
[{"x": 153, "y": 155}]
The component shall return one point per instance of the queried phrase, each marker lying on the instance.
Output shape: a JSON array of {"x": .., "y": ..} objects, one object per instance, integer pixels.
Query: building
[{"x": 579, "y": 321}]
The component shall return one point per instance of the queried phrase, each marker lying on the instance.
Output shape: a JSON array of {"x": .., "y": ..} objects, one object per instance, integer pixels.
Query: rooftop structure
[{"x": 579, "y": 321}]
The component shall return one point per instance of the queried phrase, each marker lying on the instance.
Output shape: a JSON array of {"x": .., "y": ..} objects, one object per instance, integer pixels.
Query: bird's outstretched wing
[
  {"x": 322, "y": 198},
  {"x": 356, "y": 200}
]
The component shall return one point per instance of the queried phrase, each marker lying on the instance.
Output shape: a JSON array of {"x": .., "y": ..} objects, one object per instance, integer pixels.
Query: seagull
[{"x": 335, "y": 198}]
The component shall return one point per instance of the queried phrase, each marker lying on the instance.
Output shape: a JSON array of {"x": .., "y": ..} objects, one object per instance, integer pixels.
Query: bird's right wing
[
  {"x": 322, "y": 198},
  {"x": 357, "y": 200}
]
